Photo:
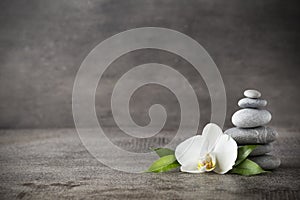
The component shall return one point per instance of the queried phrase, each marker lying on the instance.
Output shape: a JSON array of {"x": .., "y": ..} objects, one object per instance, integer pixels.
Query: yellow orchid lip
[{"x": 206, "y": 164}]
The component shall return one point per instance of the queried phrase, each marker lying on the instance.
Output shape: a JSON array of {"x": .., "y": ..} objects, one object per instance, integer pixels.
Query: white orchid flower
[{"x": 211, "y": 151}]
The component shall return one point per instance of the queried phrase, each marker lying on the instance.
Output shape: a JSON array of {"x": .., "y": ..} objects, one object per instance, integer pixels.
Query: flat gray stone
[
  {"x": 267, "y": 162},
  {"x": 250, "y": 118},
  {"x": 262, "y": 149},
  {"x": 254, "y": 94},
  {"x": 252, "y": 103},
  {"x": 259, "y": 135}
]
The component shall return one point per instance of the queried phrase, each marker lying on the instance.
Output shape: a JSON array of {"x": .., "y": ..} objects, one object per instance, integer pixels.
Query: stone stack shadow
[{"x": 250, "y": 128}]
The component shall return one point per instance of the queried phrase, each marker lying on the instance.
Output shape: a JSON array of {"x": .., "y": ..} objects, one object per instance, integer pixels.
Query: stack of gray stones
[{"x": 250, "y": 128}]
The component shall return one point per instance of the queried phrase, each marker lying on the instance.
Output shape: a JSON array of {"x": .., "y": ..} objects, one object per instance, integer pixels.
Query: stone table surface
[{"x": 53, "y": 164}]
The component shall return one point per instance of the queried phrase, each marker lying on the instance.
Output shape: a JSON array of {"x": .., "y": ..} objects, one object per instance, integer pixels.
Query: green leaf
[
  {"x": 164, "y": 164},
  {"x": 161, "y": 152},
  {"x": 243, "y": 153},
  {"x": 247, "y": 168},
  {"x": 169, "y": 167}
]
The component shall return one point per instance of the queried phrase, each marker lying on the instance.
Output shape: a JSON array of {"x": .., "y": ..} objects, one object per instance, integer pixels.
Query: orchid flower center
[{"x": 207, "y": 163}]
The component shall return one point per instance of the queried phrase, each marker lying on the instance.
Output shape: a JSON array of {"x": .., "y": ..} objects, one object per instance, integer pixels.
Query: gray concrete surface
[
  {"x": 53, "y": 164},
  {"x": 255, "y": 44}
]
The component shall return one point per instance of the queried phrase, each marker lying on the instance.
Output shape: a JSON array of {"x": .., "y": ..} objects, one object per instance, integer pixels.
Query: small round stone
[
  {"x": 267, "y": 162},
  {"x": 252, "y": 103},
  {"x": 253, "y": 94},
  {"x": 250, "y": 118}
]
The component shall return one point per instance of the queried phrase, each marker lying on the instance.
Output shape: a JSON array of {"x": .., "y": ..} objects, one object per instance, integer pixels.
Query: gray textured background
[{"x": 255, "y": 44}]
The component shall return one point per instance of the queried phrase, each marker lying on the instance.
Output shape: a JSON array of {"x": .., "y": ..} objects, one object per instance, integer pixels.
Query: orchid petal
[
  {"x": 226, "y": 154},
  {"x": 211, "y": 134},
  {"x": 187, "y": 153},
  {"x": 191, "y": 168}
]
